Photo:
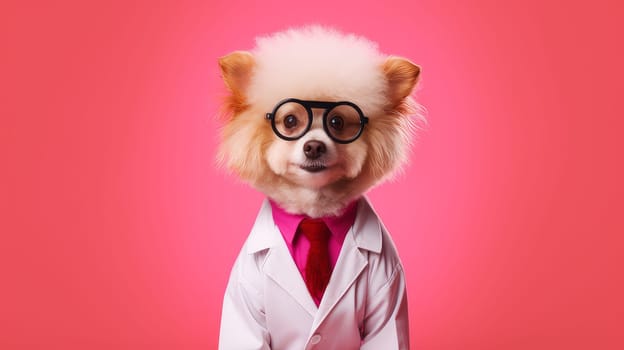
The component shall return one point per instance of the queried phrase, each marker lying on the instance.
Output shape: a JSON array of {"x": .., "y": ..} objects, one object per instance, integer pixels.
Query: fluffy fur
[{"x": 317, "y": 63}]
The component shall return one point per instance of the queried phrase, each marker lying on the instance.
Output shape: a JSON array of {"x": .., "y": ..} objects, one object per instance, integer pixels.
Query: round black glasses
[{"x": 292, "y": 118}]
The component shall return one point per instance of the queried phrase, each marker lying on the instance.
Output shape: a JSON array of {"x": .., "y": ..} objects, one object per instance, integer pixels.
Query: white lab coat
[{"x": 267, "y": 305}]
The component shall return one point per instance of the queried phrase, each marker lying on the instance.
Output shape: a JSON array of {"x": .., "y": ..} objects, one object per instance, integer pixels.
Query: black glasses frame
[{"x": 309, "y": 105}]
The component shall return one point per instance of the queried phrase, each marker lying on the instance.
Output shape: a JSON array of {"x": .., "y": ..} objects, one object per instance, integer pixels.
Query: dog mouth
[{"x": 313, "y": 167}]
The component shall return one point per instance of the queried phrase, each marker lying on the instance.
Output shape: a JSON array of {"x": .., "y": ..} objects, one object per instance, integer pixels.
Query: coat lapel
[
  {"x": 365, "y": 234},
  {"x": 279, "y": 265},
  {"x": 350, "y": 264},
  {"x": 281, "y": 268}
]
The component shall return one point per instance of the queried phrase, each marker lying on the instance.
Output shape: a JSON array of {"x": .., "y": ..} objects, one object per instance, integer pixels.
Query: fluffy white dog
[{"x": 314, "y": 119}]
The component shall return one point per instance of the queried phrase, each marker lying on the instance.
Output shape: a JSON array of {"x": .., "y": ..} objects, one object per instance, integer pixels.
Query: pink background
[{"x": 118, "y": 232}]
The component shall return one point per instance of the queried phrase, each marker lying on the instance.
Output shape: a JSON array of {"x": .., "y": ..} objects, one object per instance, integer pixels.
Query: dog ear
[
  {"x": 402, "y": 76},
  {"x": 236, "y": 70}
]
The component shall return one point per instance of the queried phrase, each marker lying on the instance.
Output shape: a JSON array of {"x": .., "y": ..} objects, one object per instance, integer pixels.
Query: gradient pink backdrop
[{"x": 118, "y": 232}]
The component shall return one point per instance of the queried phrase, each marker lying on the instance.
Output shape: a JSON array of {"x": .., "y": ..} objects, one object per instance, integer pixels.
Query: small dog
[{"x": 314, "y": 119}]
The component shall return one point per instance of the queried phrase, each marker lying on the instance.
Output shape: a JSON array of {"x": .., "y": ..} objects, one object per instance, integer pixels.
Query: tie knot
[{"x": 315, "y": 230}]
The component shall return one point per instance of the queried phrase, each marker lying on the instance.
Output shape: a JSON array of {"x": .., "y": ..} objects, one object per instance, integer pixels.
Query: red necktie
[{"x": 318, "y": 266}]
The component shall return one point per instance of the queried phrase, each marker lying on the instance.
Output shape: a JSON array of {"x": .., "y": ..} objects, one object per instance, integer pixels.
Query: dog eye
[
  {"x": 290, "y": 121},
  {"x": 336, "y": 122}
]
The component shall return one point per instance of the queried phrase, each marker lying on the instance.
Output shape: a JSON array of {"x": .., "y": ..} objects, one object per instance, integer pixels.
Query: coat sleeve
[
  {"x": 386, "y": 324},
  {"x": 243, "y": 322}
]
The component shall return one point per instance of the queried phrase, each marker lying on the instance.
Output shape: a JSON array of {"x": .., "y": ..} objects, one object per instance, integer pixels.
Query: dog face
[
  {"x": 346, "y": 127},
  {"x": 319, "y": 147}
]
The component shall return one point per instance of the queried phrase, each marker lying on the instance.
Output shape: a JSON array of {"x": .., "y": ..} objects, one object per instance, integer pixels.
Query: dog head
[{"x": 314, "y": 118}]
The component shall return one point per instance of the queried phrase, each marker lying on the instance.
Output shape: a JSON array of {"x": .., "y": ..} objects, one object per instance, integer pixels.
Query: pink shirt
[{"x": 298, "y": 245}]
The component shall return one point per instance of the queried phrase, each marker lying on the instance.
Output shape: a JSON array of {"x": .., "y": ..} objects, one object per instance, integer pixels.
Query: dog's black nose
[{"x": 314, "y": 149}]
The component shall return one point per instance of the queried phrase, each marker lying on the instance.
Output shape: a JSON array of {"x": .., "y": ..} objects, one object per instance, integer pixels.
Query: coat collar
[
  {"x": 366, "y": 229},
  {"x": 365, "y": 234}
]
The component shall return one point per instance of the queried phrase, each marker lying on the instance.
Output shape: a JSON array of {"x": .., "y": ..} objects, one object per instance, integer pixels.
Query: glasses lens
[
  {"x": 291, "y": 119},
  {"x": 343, "y": 122}
]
